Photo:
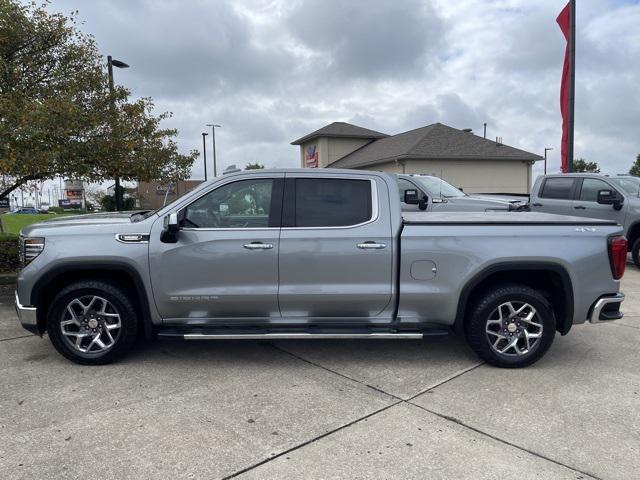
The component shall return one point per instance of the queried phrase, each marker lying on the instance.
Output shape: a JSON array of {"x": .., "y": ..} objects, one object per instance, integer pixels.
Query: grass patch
[{"x": 14, "y": 223}]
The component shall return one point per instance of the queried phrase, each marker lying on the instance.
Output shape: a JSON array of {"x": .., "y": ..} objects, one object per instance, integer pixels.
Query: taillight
[{"x": 618, "y": 256}]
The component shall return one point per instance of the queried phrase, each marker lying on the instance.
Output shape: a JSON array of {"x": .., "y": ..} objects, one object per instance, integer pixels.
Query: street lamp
[
  {"x": 204, "y": 151},
  {"x": 213, "y": 130},
  {"x": 546, "y": 149},
  {"x": 118, "y": 64}
]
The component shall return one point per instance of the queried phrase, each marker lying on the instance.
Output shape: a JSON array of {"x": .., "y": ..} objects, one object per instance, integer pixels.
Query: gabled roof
[
  {"x": 341, "y": 129},
  {"x": 436, "y": 141}
]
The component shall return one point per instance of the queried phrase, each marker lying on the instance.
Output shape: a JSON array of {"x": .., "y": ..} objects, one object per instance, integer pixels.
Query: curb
[{"x": 8, "y": 278}]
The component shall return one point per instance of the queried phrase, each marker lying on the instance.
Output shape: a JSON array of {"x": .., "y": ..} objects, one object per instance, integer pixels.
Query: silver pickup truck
[
  {"x": 316, "y": 254},
  {"x": 594, "y": 196}
]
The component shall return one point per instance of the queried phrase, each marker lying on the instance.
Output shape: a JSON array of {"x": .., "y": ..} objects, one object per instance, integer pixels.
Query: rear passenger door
[
  {"x": 336, "y": 249},
  {"x": 556, "y": 196}
]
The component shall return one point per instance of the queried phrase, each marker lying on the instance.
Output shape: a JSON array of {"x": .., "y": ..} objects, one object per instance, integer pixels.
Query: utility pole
[
  {"x": 110, "y": 64},
  {"x": 204, "y": 152},
  {"x": 213, "y": 131}
]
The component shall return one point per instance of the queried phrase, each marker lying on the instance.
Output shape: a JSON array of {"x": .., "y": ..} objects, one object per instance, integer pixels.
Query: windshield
[
  {"x": 630, "y": 185},
  {"x": 436, "y": 187}
]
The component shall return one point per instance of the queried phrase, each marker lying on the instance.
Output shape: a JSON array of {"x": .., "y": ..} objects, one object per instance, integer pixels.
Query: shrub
[{"x": 9, "y": 260}]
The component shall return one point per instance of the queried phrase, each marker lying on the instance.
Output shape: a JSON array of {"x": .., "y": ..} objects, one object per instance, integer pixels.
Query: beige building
[{"x": 476, "y": 164}]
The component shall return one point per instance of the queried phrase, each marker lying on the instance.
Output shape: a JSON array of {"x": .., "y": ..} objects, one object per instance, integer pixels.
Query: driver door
[{"x": 224, "y": 264}]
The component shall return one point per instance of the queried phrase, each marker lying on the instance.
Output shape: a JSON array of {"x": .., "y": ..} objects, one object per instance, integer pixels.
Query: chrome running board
[
  {"x": 295, "y": 335},
  {"x": 292, "y": 335}
]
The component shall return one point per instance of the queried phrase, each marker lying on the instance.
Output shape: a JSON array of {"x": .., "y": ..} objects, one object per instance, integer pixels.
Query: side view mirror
[
  {"x": 411, "y": 197},
  {"x": 610, "y": 197},
  {"x": 171, "y": 228}
]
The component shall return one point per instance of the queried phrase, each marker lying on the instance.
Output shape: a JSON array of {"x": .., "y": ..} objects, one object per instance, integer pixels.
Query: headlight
[{"x": 30, "y": 248}]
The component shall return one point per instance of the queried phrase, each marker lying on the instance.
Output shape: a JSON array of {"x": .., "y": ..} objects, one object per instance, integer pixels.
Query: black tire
[
  {"x": 485, "y": 312},
  {"x": 635, "y": 252},
  {"x": 120, "y": 304}
]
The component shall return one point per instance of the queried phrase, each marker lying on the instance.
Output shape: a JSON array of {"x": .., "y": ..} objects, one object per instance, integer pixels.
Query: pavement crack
[
  {"x": 312, "y": 440},
  {"x": 446, "y": 380},
  {"x": 298, "y": 357},
  {"x": 16, "y": 338},
  {"x": 505, "y": 442}
]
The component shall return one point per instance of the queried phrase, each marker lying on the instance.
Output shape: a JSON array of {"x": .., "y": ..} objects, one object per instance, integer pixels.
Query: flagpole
[{"x": 572, "y": 84}]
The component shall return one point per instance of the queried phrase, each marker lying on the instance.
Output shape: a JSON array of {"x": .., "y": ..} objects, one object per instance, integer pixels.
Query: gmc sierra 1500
[{"x": 316, "y": 254}]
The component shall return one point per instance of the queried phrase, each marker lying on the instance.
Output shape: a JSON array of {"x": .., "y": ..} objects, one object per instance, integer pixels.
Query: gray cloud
[{"x": 271, "y": 71}]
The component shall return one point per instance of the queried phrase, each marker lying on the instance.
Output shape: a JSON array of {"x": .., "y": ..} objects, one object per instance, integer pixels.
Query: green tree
[
  {"x": 581, "y": 165},
  {"x": 254, "y": 166},
  {"x": 57, "y": 116},
  {"x": 635, "y": 168}
]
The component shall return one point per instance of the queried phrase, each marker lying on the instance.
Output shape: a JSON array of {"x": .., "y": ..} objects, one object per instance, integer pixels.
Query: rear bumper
[
  {"x": 27, "y": 316},
  {"x": 607, "y": 309}
]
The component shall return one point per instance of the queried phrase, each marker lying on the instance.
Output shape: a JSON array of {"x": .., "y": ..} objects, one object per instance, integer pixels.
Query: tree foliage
[
  {"x": 57, "y": 116},
  {"x": 581, "y": 165},
  {"x": 254, "y": 166},
  {"x": 635, "y": 168}
]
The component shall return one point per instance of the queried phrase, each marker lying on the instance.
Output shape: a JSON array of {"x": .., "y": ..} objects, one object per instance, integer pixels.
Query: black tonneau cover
[{"x": 497, "y": 218}]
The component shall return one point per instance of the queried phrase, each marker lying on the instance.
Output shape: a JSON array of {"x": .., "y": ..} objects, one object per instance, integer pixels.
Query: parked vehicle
[
  {"x": 24, "y": 211},
  {"x": 436, "y": 195},
  {"x": 594, "y": 196},
  {"x": 316, "y": 254}
]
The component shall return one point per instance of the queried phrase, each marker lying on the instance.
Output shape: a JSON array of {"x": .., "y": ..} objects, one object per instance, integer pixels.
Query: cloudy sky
[{"x": 270, "y": 71}]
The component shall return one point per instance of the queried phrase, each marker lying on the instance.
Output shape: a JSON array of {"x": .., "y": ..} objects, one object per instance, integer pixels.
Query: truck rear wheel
[
  {"x": 92, "y": 322},
  {"x": 512, "y": 326}
]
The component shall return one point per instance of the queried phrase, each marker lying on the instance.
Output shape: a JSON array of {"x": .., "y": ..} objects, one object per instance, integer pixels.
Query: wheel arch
[
  {"x": 550, "y": 278},
  {"x": 47, "y": 286}
]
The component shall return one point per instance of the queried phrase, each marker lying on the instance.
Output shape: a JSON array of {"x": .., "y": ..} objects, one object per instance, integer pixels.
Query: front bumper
[
  {"x": 607, "y": 309},
  {"x": 27, "y": 316}
]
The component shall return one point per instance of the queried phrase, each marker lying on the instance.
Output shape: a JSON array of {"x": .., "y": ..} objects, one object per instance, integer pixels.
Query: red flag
[{"x": 564, "y": 21}]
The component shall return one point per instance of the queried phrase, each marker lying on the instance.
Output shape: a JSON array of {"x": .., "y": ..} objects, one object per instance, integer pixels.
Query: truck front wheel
[
  {"x": 511, "y": 326},
  {"x": 92, "y": 322}
]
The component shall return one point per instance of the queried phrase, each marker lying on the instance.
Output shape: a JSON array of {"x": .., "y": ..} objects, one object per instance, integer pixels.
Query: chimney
[{"x": 498, "y": 141}]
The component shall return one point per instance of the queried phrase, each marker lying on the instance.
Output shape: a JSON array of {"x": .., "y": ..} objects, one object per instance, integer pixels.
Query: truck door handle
[
  {"x": 537, "y": 205},
  {"x": 258, "y": 246},
  {"x": 372, "y": 245},
  {"x": 580, "y": 207}
]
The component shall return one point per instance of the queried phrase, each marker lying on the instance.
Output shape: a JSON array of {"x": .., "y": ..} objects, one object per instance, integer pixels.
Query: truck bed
[{"x": 497, "y": 218}]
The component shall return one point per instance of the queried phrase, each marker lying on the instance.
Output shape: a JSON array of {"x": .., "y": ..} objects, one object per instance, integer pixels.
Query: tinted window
[
  {"x": 404, "y": 185},
  {"x": 560, "y": 188},
  {"x": 242, "y": 204},
  {"x": 325, "y": 202},
  {"x": 590, "y": 188}
]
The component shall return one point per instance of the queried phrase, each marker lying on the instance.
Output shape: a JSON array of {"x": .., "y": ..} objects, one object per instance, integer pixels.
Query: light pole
[
  {"x": 204, "y": 152},
  {"x": 213, "y": 130},
  {"x": 118, "y": 64},
  {"x": 546, "y": 149}
]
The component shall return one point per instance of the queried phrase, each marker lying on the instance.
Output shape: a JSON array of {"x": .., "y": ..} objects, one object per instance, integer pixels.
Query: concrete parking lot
[{"x": 324, "y": 409}]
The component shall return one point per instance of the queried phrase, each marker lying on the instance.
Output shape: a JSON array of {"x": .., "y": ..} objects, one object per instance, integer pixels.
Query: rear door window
[
  {"x": 558, "y": 188},
  {"x": 332, "y": 202}
]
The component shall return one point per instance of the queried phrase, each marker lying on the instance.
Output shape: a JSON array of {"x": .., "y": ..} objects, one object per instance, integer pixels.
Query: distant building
[
  {"x": 151, "y": 195},
  {"x": 476, "y": 164}
]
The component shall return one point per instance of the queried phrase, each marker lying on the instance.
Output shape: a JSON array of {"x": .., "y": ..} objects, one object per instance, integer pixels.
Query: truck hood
[{"x": 89, "y": 220}]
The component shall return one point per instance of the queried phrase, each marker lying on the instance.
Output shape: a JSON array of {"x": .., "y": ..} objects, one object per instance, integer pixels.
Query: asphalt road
[{"x": 324, "y": 409}]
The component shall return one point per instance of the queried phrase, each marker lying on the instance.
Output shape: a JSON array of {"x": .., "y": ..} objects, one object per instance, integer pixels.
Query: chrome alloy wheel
[
  {"x": 90, "y": 324},
  {"x": 514, "y": 329}
]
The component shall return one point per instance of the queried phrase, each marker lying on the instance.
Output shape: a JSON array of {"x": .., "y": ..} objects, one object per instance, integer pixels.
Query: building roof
[
  {"x": 341, "y": 129},
  {"x": 436, "y": 141}
]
